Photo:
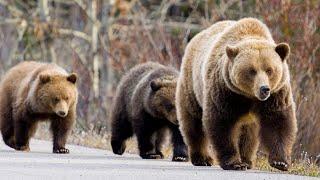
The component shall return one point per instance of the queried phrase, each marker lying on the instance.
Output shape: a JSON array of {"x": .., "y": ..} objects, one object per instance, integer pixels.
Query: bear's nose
[
  {"x": 61, "y": 113},
  {"x": 264, "y": 90}
]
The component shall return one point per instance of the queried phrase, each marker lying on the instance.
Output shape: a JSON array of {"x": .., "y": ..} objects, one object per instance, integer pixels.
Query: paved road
[{"x": 87, "y": 163}]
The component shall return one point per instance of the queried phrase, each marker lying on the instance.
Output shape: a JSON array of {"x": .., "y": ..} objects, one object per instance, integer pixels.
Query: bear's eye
[
  {"x": 252, "y": 72},
  {"x": 269, "y": 71},
  {"x": 56, "y": 100},
  {"x": 168, "y": 105}
]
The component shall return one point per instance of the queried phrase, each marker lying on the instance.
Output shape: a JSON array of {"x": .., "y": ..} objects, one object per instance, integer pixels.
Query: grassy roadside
[{"x": 92, "y": 139}]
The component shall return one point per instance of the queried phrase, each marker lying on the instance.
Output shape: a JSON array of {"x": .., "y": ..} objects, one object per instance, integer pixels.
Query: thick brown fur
[
  {"x": 234, "y": 92},
  {"x": 145, "y": 105},
  {"x": 31, "y": 92}
]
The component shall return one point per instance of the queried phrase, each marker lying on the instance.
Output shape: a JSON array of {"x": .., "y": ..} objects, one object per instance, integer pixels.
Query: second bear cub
[{"x": 145, "y": 105}]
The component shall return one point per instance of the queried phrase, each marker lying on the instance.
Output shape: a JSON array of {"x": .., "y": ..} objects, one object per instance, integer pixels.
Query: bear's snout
[
  {"x": 264, "y": 93},
  {"x": 61, "y": 113},
  {"x": 61, "y": 109}
]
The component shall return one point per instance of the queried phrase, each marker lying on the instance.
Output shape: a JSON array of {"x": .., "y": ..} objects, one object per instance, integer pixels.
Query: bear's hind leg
[
  {"x": 189, "y": 116},
  {"x": 159, "y": 141},
  {"x": 248, "y": 144},
  {"x": 180, "y": 151},
  {"x": 23, "y": 132}
]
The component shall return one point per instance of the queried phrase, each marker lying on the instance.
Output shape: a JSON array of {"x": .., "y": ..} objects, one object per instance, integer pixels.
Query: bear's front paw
[
  {"x": 151, "y": 156},
  {"x": 201, "y": 160},
  {"x": 279, "y": 162},
  {"x": 180, "y": 158},
  {"x": 61, "y": 150},
  {"x": 281, "y": 165},
  {"x": 235, "y": 166},
  {"x": 25, "y": 148},
  {"x": 160, "y": 154},
  {"x": 118, "y": 147},
  {"x": 249, "y": 163}
]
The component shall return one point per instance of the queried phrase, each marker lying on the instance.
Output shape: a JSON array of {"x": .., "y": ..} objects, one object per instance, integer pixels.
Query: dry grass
[
  {"x": 305, "y": 166},
  {"x": 300, "y": 167}
]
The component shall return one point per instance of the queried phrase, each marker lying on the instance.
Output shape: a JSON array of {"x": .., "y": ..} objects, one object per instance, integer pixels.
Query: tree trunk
[{"x": 94, "y": 46}]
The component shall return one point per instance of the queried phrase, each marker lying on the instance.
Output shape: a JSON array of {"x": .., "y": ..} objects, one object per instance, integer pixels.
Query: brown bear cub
[
  {"x": 234, "y": 92},
  {"x": 31, "y": 92},
  {"x": 145, "y": 105}
]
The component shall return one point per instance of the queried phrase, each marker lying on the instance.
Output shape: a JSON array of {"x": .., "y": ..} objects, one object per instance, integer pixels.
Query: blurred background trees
[{"x": 101, "y": 39}]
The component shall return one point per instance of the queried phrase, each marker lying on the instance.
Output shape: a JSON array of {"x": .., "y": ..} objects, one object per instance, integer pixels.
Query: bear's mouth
[{"x": 263, "y": 96}]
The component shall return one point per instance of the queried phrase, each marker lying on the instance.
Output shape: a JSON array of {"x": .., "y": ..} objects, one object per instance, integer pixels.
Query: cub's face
[
  {"x": 257, "y": 71},
  {"x": 57, "y": 93},
  {"x": 162, "y": 98}
]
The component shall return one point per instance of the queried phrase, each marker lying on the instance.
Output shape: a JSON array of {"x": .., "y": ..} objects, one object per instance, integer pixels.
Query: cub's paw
[
  {"x": 151, "y": 156},
  {"x": 118, "y": 147},
  {"x": 201, "y": 160},
  {"x": 180, "y": 158},
  {"x": 249, "y": 163},
  {"x": 160, "y": 154},
  {"x": 10, "y": 142},
  {"x": 281, "y": 165},
  {"x": 23, "y": 148},
  {"x": 239, "y": 166},
  {"x": 61, "y": 150}
]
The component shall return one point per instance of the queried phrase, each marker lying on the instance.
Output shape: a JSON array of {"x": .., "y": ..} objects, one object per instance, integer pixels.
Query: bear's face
[
  {"x": 257, "y": 70},
  {"x": 162, "y": 98},
  {"x": 56, "y": 93}
]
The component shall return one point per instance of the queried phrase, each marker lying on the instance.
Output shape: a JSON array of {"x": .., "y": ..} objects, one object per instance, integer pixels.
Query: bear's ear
[
  {"x": 44, "y": 78},
  {"x": 232, "y": 52},
  {"x": 72, "y": 78},
  {"x": 155, "y": 85},
  {"x": 283, "y": 50}
]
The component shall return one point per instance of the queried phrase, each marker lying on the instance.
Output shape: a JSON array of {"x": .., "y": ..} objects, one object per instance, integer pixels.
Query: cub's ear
[
  {"x": 283, "y": 50},
  {"x": 232, "y": 51},
  {"x": 155, "y": 85},
  {"x": 72, "y": 78},
  {"x": 44, "y": 78},
  {"x": 167, "y": 81}
]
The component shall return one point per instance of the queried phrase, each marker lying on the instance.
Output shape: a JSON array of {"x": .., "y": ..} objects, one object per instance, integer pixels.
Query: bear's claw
[
  {"x": 198, "y": 160},
  {"x": 283, "y": 166},
  {"x": 23, "y": 148},
  {"x": 61, "y": 151},
  {"x": 180, "y": 158},
  {"x": 151, "y": 156},
  {"x": 249, "y": 163},
  {"x": 160, "y": 154},
  {"x": 235, "y": 166}
]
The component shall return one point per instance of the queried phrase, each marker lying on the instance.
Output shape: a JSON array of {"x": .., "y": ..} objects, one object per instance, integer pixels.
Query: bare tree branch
[
  {"x": 13, "y": 10},
  {"x": 74, "y": 33}
]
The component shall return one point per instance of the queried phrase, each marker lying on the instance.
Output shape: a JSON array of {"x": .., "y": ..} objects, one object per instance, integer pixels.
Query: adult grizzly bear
[
  {"x": 234, "y": 90},
  {"x": 145, "y": 105},
  {"x": 30, "y": 92}
]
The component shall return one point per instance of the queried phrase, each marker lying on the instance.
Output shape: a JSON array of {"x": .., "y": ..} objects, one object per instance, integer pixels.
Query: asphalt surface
[{"x": 87, "y": 163}]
